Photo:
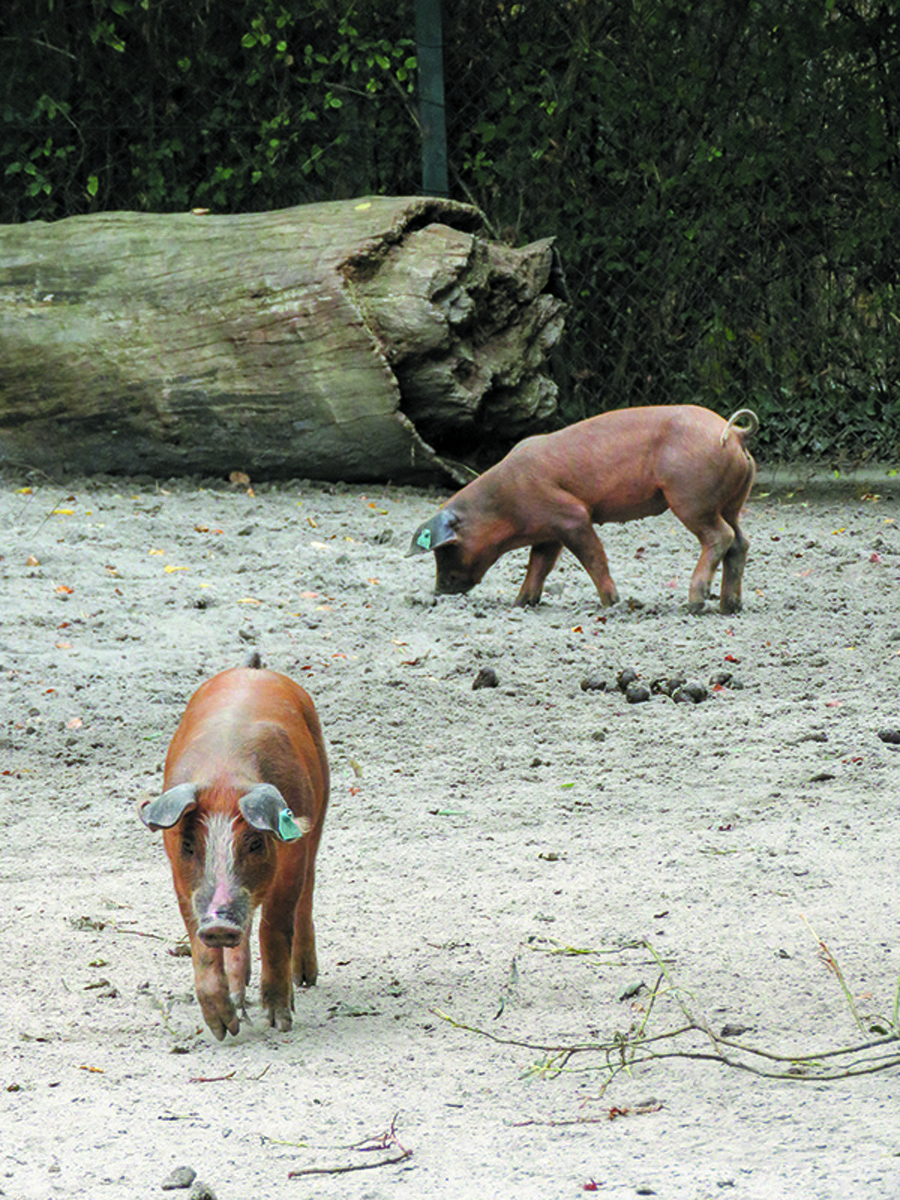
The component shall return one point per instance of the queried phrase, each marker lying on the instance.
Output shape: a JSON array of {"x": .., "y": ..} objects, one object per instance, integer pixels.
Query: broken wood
[{"x": 354, "y": 340}]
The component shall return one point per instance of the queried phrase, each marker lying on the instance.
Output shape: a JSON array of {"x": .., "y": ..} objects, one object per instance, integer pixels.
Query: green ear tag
[
  {"x": 288, "y": 829},
  {"x": 424, "y": 539}
]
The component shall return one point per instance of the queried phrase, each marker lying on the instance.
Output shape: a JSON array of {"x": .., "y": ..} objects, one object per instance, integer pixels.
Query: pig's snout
[
  {"x": 220, "y": 929},
  {"x": 452, "y": 586}
]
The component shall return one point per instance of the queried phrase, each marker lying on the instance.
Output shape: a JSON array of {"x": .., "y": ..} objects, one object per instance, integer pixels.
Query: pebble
[
  {"x": 593, "y": 682},
  {"x": 890, "y": 736},
  {"x": 486, "y": 678},
  {"x": 181, "y": 1177},
  {"x": 667, "y": 686},
  {"x": 690, "y": 693},
  {"x": 625, "y": 676},
  {"x": 637, "y": 693}
]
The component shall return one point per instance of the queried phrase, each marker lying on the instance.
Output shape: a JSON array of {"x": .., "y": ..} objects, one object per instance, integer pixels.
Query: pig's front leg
[
  {"x": 276, "y": 989},
  {"x": 213, "y": 993},
  {"x": 582, "y": 540},
  {"x": 541, "y": 562},
  {"x": 237, "y": 971}
]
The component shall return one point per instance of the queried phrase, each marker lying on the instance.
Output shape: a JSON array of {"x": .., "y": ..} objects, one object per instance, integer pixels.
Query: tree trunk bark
[{"x": 354, "y": 340}]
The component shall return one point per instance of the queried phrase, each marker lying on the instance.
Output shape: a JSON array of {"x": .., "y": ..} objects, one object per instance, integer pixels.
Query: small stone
[
  {"x": 890, "y": 736},
  {"x": 735, "y": 1031},
  {"x": 181, "y": 1177},
  {"x": 202, "y": 1191},
  {"x": 667, "y": 686},
  {"x": 690, "y": 693},
  {"x": 637, "y": 693},
  {"x": 593, "y": 682},
  {"x": 486, "y": 678},
  {"x": 721, "y": 679},
  {"x": 625, "y": 676}
]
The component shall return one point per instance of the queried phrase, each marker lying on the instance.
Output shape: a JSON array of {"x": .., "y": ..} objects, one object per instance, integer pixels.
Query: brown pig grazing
[
  {"x": 550, "y": 491},
  {"x": 246, "y": 788}
]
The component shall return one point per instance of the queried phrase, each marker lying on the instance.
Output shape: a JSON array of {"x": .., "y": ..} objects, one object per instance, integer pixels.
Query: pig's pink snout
[
  {"x": 223, "y": 918},
  {"x": 220, "y": 929}
]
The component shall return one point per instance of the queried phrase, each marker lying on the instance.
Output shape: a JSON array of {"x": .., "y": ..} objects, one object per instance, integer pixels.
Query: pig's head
[
  {"x": 461, "y": 558},
  {"x": 223, "y": 857}
]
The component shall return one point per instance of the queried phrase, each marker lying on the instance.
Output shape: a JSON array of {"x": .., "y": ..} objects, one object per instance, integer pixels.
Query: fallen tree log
[{"x": 352, "y": 340}]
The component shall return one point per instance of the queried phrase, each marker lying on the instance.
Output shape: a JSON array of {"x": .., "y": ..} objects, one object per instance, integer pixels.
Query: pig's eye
[
  {"x": 256, "y": 844},
  {"x": 188, "y": 846}
]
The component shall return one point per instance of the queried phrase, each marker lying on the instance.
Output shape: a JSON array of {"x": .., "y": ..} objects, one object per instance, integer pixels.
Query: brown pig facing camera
[
  {"x": 551, "y": 490},
  {"x": 246, "y": 788}
]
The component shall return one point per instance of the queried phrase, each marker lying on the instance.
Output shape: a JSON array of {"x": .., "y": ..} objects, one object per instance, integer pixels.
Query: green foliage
[
  {"x": 164, "y": 106},
  {"x": 722, "y": 182},
  {"x": 721, "y": 179}
]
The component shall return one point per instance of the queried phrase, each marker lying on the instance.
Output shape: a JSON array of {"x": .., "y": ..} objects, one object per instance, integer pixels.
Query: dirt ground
[{"x": 740, "y": 853}]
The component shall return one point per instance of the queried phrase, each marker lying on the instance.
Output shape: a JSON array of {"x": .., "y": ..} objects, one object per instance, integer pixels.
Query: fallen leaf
[
  {"x": 63, "y": 645},
  {"x": 31, "y": 561},
  {"x": 172, "y": 570},
  {"x": 239, "y": 477},
  {"x": 74, "y": 723},
  {"x": 64, "y": 590}
]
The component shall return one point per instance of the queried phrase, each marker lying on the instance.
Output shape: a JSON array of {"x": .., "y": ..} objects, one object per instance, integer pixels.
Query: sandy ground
[{"x": 476, "y": 839}]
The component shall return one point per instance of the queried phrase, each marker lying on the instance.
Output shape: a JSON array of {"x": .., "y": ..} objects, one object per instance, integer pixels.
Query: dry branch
[{"x": 635, "y": 1046}]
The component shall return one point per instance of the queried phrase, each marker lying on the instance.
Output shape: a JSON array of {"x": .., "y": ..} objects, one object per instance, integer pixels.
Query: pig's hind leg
[
  {"x": 305, "y": 965},
  {"x": 733, "y": 571},
  {"x": 716, "y": 538}
]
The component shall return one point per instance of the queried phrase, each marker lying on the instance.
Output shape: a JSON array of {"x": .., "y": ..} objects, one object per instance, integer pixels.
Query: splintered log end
[{"x": 352, "y": 340}]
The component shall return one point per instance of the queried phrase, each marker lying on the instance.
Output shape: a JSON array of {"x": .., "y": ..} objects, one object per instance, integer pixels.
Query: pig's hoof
[
  {"x": 695, "y": 607},
  {"x": 219, "y": 1027},
  {"x": 280, "y": 1018},
  {"x": 730, "y": 605},
  {"x": 239, "y": 1003}
]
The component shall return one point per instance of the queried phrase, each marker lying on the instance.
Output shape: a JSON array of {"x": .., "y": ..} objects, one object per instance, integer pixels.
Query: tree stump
[{"x": 354, "y": 340}]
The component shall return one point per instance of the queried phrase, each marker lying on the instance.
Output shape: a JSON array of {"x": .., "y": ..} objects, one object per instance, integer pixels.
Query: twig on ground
[
  {"x": 634, "y": 1047},
  {"x": 608, "y": 1114},
  {"x": 381, "y": 1142}
]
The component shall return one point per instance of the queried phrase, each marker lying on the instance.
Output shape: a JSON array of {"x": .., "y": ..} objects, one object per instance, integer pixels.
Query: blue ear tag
[
  {"x": 288, "y": 829},
  {"x": 424, "y": 539}
]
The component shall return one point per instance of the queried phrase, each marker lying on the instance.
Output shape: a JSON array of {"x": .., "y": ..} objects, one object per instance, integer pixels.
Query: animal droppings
[{"x": 486, "y": 678}]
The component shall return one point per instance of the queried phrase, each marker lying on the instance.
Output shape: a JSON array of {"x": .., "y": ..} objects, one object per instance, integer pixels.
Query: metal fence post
[{"x": 430, "y": 57}]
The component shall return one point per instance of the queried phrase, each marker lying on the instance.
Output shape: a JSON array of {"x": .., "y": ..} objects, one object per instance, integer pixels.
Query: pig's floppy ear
[
  {"x": 265, "y": 808},
  {"x": 168, "y": 809},
  {"x": 439, "y": 531}
]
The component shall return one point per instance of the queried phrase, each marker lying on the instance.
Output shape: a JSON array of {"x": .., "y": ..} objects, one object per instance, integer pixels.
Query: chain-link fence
[{"x": 721, "y": 180}]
